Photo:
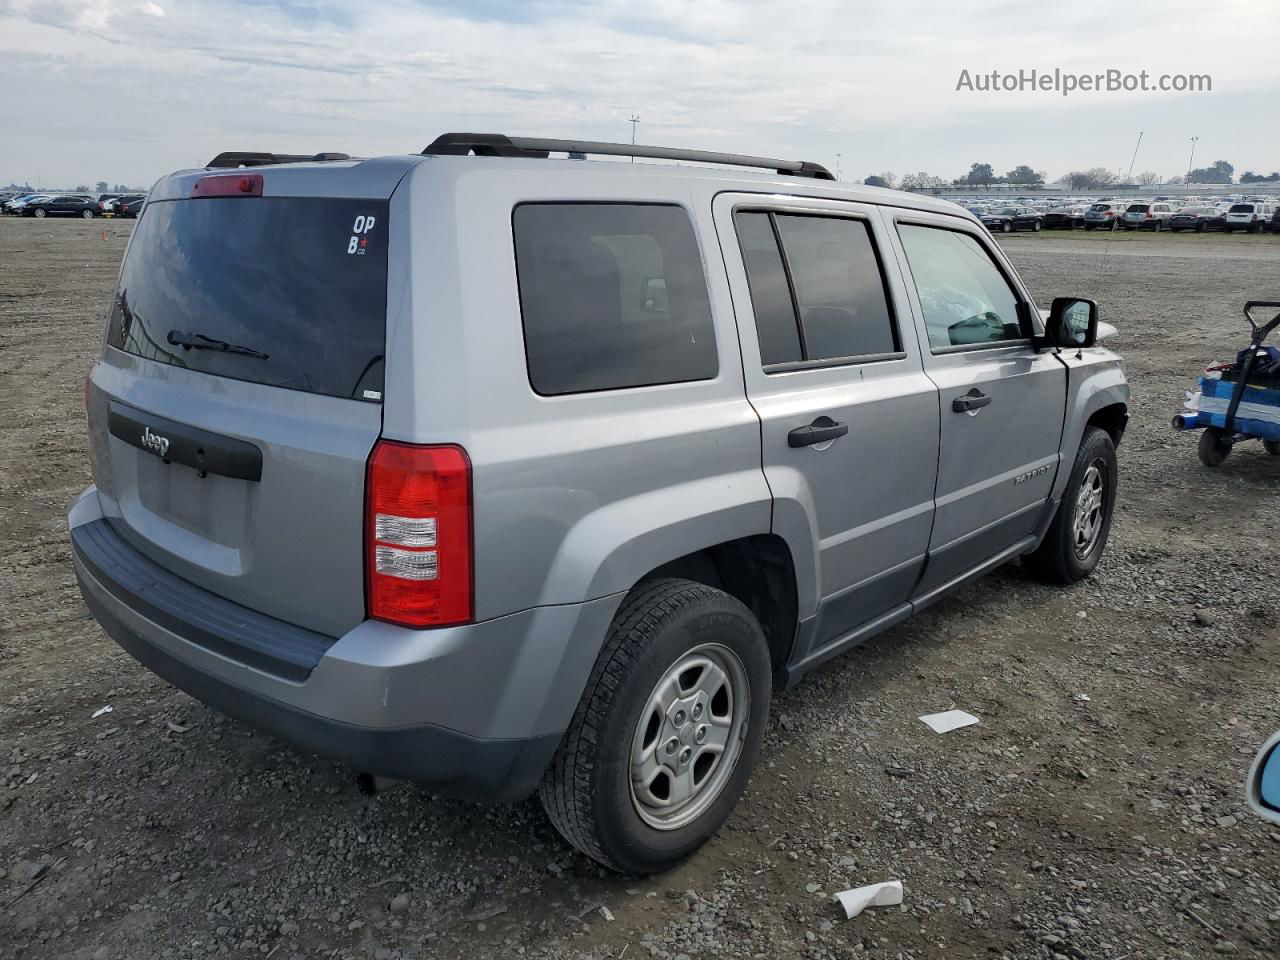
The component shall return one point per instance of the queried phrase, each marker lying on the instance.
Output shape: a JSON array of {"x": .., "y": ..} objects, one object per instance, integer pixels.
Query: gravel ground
[{"x": 1097, "y": 810}]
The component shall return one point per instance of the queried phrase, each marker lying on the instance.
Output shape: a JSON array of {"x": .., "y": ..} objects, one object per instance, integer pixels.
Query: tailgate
[{"x": 240, "y": 394}]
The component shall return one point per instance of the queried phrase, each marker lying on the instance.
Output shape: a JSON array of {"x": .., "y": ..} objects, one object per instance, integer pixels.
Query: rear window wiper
[{"x": 198, "y": 341}]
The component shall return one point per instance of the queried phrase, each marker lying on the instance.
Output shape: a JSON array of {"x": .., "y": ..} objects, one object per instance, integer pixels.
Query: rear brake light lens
[
  {"x": 418, "y": 569},
  {"x": 229, "y": 185}
]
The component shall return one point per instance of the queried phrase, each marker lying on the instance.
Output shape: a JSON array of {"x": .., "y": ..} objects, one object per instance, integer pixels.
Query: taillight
[
  {"x": 418, "y": 534},
  {"x": 229, "y": 185}
]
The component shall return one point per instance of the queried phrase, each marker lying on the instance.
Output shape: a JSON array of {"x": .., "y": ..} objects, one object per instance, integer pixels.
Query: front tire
[
  {"x": 1006, "y": 227},
  {"x": 87, "y": 214},
  {"x": 639, "y": 783},
  {"x": 1078, "y": 534},
  {"x": 1037, "y": 226},
  {"x": 40, "y": 214},
  {"x": 1272, "y": 447}
]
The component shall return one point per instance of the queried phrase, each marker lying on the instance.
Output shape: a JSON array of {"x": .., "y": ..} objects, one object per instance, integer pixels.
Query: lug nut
[
  {"x": 679, "y": 718},
  {"x": 701, "y": 735},
  {"x": 697, "y": 711},
  {"x": 685, "y": 754},
  {"x": 672, "y": 745}
]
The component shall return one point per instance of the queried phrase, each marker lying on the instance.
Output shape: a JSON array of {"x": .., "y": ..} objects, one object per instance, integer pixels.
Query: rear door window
[
  {"x": 288, "y": 292},
  {"x": 612, "y": 295},
  {"x": 817, "y": 288}
]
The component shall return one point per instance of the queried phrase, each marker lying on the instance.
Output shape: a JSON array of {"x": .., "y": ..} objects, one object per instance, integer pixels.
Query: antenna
[
  {"x": 1134, "y": 159},
  {"x": 635, "y": 122}
]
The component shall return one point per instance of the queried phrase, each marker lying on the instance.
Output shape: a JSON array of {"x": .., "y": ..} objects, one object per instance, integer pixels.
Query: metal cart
[{"x": 1230, "y": 412}]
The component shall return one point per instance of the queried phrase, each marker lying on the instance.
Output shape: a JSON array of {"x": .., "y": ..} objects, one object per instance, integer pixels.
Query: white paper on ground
[
  {"x": 950, "y": 720},
  {"x": 885, "y": 894},
  {"x": 99, "y": 712}
]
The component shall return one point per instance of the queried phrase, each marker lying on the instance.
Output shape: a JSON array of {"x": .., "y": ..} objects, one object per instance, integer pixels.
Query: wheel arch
[{"x": 757, "y": 570}]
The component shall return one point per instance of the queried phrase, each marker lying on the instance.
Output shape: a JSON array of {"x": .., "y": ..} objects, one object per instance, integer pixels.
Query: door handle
[
  {"x": 971, "y": 402},
  {"x": 820, "y": 431}
]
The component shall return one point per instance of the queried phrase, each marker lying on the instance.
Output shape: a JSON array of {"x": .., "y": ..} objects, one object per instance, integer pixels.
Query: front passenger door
[{"x": 1001, "y": 404}]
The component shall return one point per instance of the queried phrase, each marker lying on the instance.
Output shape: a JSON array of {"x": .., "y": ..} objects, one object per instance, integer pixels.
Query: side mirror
[
  {"x": 1263, "y": 787},
  {"x": 1072, "y": 323}
]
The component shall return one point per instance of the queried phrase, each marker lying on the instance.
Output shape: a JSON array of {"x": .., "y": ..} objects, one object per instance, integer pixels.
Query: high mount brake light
[
  {"x": 229, "y": 185},
  {"x": 418, "y": 567}
]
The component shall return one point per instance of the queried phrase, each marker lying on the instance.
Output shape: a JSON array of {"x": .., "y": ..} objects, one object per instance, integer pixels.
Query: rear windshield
[
  {"x": 1101, "y": 206},
  {"x": 1241, "y": 208},
  {"x": 1138, "y": 208},
  {"x": 302, "y": 281}
]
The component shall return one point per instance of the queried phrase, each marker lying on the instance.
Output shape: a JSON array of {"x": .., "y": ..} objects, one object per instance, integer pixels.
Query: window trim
[
  {"x": 1016, "y": 288},
  {"x": 702, "y": 261},
  {"x": 773, "y": 211}
]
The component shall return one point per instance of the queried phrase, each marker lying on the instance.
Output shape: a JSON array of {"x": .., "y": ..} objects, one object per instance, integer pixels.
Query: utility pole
[
  {"x": 635, "y": 122},
  {"x": 1191, "y": 161},
  {"x": 838, "y": 167}
]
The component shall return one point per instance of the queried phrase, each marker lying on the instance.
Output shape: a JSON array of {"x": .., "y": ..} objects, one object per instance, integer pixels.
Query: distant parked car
[
  {"x": 72, "y": 205},
  {"x": 1147, "y": 216},
  {"x": 130, "y": 208},
  {"x": 1251, "y": 217},
  {"x": 1066, "y": 217},
  {"x": 1104, "y": 214},
  {"x": 1008, "y": 219},
  {"x": 19, "y": 203},
  {"x": 1198, "y": 219},
  {"x": 1274, "y": 224},
  {"x": 113, "y": 206}
]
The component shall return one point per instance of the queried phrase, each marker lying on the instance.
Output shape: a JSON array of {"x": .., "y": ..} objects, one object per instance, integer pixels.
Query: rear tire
[
  {"x": 1078, "y": 533},
  {"x": 40, "y": 214},
  {"x": 1214, "y": 447},
  {"x": 1272, "y": 447},
  {"x": 1037, "y": 226},
  {"x": 1007, "y": 227},
  {"x": 88, "y": 214},
  {"x": 604, "y": 789}
]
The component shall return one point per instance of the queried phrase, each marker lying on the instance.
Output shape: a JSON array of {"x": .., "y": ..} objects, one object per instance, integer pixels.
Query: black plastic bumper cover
[{"x": 444, "y": 760}]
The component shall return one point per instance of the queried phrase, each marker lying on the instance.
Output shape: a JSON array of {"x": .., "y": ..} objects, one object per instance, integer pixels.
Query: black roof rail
[
  {"x": 499, "y": 145},
  {"x": 238, "y": 158}
]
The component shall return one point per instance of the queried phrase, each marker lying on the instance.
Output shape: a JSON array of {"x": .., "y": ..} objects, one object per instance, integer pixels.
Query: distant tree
[
  {"x": 1023, "y": 174},
  {"x": 1220, "y": 172},
  {"x": 877, "y": 180},
  {"x": 1148, "y": 177},
  {"x": 922, "y": 181},
  {"x": 1090, "y": 179},
  {"x": 979, "y": 175},
  {"x": 82, "y": 188},
  {"x": 1250, "y": 177},
  {"x": 101, "y": 186}
]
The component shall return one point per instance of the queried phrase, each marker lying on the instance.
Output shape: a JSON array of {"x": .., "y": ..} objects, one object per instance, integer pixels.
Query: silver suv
[{"x": 503, "y": 473}]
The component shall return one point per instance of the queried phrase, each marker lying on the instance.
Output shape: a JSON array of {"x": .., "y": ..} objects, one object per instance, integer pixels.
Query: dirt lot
[{"x": 1096, "y": 812}]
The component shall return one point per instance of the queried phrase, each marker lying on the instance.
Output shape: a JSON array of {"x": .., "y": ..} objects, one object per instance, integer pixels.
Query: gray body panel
[{"x": 576, "y": 498}]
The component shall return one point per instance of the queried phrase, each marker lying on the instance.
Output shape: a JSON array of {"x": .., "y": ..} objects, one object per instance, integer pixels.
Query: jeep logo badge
[{"x": 155, "y": 442}]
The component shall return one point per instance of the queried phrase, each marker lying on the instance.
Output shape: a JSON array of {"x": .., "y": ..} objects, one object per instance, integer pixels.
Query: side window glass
[
  {"x": 839, "y": 289},
  {"x": 770, "y": 293},
  {"x": 965, "y": 298},
  {"x": 612, "y": 295}
]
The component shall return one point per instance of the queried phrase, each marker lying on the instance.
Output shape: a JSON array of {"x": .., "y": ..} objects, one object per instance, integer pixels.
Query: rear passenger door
[
  {"x": 849, "y": 421},
  {"x": 1001, "y": 403}
]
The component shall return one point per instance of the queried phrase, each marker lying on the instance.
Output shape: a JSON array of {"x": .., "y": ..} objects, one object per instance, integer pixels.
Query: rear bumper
[{"x": 474, "y": 712}]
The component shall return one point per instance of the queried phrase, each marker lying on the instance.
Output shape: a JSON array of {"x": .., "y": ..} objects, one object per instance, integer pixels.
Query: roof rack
[
  {"x": 234, "y": 158},
  {"x": 499, "y": 145}
]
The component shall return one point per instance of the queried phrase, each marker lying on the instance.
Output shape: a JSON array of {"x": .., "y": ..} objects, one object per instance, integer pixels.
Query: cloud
[{"x": 792, "y": 78}]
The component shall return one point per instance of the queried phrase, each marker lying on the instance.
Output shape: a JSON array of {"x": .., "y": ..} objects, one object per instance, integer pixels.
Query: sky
[{"x": 127, "y": 91}]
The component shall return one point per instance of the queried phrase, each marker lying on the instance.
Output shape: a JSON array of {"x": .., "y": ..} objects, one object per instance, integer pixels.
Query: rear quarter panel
[{"x": 576, "y": 497}]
